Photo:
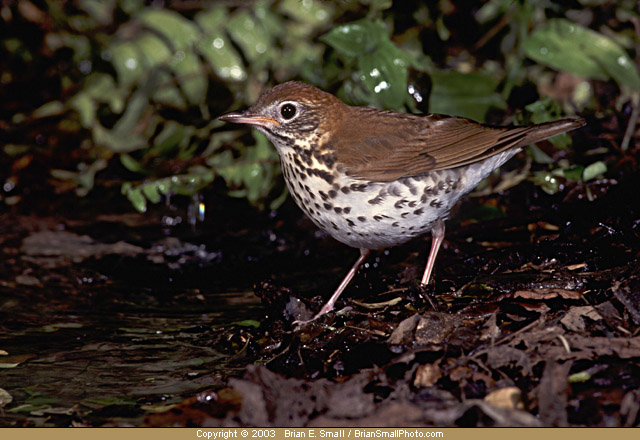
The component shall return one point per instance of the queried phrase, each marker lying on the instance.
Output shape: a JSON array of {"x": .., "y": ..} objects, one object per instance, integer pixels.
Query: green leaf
[
  {"x": 461, "y": 94},
  {"x": 251, "y": 36},
  {"x": 102, "y": 88},
  {"x": 99, "y": 10},
  {"x": 51, "y": 108},
  {"x": 131, "y": 164},
  {"x": 154, "y": 51},
  {"x": 546, "y": 181},
  {"x": 135, "y": 196},
  {"x": 191, "y": 76},
  {"x": 221, "y": 55},
  {"x": 171, "y": 136},
  {"x": 86, "y": 108},
  {"x": 166, "y": 92},
  {"x": 173, "y": 26},
  {"x": 355, "y": 38},
  {"x": 124, "y": 137},
  {"x": 248, "y": 323},
  {"x": 594, "y": 170},
  {"x": 313, "y": 13},
  {"x": 582, "y": 376},
  {"x": 128, "y": 62},
  {"x": 574, "y": 173},
  {"x": 211, "y": 20},
  {"x": 26, "y": 408},
  {"x": 385, "y": 74},
  {"x": 540, "y": 156},
  {"x": 580, "y": 51},
  {"x": 116, "y": 141},
  {"x": 150, "y": 191}
]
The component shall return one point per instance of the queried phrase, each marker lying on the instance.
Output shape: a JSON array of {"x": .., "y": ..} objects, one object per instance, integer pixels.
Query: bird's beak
[{"x": 248, "y": 118}]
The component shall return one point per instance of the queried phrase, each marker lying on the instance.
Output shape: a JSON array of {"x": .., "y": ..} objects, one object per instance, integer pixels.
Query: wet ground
[{"x": 114, "y": 318}]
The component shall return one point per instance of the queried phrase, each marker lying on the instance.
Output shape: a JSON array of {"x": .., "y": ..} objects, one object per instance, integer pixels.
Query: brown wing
[{"x": 386, "y": 146}]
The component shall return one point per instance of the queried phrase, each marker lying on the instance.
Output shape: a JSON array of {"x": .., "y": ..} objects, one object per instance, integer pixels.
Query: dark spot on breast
[
  {"x": 395, "y": 190},
  {"x": 412, "y": 188},
  {"x": 399, "y": 203},
  {"x": 423, "y": 199},
  {"x": 347, "y": 210},
  {"x": 375, "y": 201},
  {"x": 335, "y": 186},
  {"x": 441, "y": 186},
  {"x": 328, "y": 206},
  {"x": 334, "y": 226},
  {"x": 412, "y": 204},
  {"x": 435, "y": 203},
  {"x": 418, "y": 211},
  {"x": 327, "y": 159},
  {"x": 358, "y": 187},
  {"x": 316, "y": 205},
  {"x": 327, "y": 177},
  {"x": 337, "y": 209},
  {"x": 350, "y": 223},
  {"x": 395, "y": 224},
  {"x": 323, "y": 195},
  {"x": 345, "y": 189},
  {"x": 362, "y": 219},
  {"x": 332, "y": 194},
  {"x": 377, "y": 218},
  {"x": 304, "y": 154},
  {"x": 404, "y": 214}
]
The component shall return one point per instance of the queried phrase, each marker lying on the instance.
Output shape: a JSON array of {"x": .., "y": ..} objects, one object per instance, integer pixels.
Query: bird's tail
[{"x": 546, "y": 130}]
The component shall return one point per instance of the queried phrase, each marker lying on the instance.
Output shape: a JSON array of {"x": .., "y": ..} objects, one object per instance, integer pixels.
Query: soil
[{"x": 110, "y": 318}]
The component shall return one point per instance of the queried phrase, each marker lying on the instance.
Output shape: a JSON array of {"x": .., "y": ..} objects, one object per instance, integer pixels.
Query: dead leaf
[
  {"x": 552, "y": 394},
  {"x": 490, "y": 329},
  {"x": 548, "y": 293},
  {"x": 574, "y": 319},
  {"x": 5, "y": 398},
  {"x": 628, "y": 293},
  {"x": 403, "y": 334},
  {"x": 507, "y": 398},
  {"x": 434, "y": 327},
  {"x": 504, "y": 356},
  {"x": 427, "y": 375}
]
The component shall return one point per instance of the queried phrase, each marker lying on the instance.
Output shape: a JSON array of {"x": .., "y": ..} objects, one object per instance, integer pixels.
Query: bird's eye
[{"x": 288, "y": 111}]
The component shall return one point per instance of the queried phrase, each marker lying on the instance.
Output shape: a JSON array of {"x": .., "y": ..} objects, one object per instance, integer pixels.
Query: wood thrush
[{"x": 373, "y": 179}]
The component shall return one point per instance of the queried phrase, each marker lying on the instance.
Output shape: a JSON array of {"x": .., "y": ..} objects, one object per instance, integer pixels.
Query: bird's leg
[
  {"x": 364, "y": 253},
  {"x": 437, "y": 234}
]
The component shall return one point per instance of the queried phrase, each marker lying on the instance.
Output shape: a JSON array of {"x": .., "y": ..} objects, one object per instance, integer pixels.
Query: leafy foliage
[{"x": 141, "y": 85}]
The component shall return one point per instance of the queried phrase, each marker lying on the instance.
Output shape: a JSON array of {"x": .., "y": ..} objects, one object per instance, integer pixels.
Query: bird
[{"x": 374, "y": 178}]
